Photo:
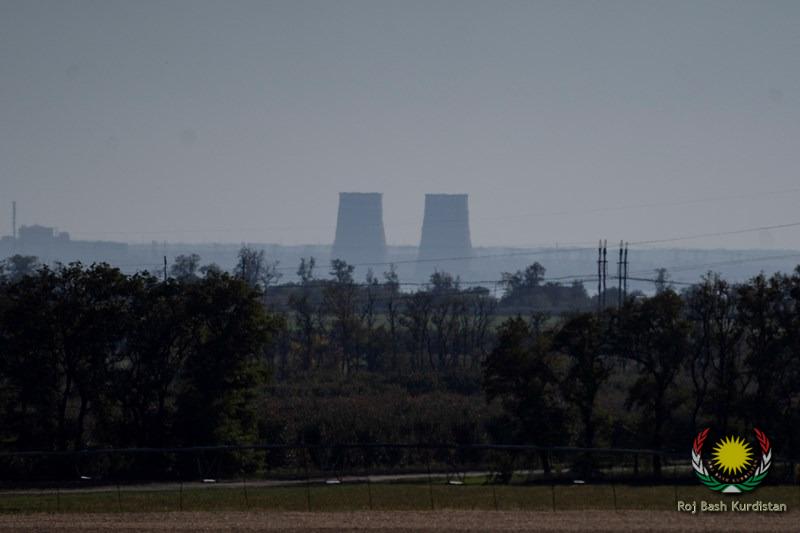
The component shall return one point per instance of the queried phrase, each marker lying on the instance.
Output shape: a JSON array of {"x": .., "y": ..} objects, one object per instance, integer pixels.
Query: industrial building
[
  {"x": 360, "y": 239},
  {"x": 445, "y": 243}
]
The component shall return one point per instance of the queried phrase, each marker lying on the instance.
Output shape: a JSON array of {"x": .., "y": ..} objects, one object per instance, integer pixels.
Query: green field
[{"x": 376, "y": 496}]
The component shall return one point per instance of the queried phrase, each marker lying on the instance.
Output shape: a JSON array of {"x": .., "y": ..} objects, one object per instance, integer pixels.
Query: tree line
[
  {"x": 718, "y": 355},
  {"x": 90, "y": 356}
]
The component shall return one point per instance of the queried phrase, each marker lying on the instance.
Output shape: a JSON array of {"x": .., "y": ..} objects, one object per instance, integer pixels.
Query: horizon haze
[{"x": 564, "y": 122}]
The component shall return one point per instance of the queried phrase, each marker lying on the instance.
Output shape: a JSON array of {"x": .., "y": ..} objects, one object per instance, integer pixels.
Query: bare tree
[
  {"x": 369, "y": 344},
  {"x": 392, "y": 290},
  {"x": 255, "y": 270},
  {"x": 340, "y": 301},
  {"x": 304, "y": 312},
  {"x": 416, "y": 318},
  {"x": 444, "y": 314},
  {"x": 662, "y": 280}
]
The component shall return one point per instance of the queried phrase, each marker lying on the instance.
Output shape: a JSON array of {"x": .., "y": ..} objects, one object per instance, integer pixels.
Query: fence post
[
  {"x": 614, "y": 491},
  {"x": 365, "y": 466},
  {"x": 430, "y": 481},
  {"x": 308, "y": 479}
]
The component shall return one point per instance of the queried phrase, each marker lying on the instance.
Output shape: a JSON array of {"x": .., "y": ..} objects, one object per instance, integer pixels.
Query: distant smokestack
[
  {"x": 445, "y": 233},
  {"x": 359, "y": 228}
]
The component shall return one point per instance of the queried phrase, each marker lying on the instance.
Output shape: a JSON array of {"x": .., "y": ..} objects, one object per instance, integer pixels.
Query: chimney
[
  {"x": 445, "y": 234},
  {"x": 359, "y": 229}
]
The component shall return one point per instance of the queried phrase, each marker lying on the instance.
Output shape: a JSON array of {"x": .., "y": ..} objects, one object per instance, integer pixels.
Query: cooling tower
[
  {"x": 445, "y": 234},
  {"x": 359, "y": 229}
]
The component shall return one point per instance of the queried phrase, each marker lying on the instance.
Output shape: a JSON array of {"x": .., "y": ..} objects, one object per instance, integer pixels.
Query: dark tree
[
  {"x": 64, "y": 330},
  {"x": 340, "y": 301},
  {"x": 223, "y": 374},
  {"x": 445, "y": 305},
  {"x": 302, "y": 304},
  {"x": 582, "y": 340},
  {"x": 392, "y": 290},
  {"x": 653, "y": 335},
  {"x": 185, "y": 267},
  {"x": 769, "y": 313},
  {"x": 416, "y": 319},
  {"x": 160, "y": 340},
  {"x": 717, "y": 360},
  {"x": 518, "y": 373},
  {"x": 17, "y": 266}
]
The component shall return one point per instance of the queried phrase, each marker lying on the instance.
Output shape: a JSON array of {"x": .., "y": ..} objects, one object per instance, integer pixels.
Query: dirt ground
[{"x": 397, "y": 521}]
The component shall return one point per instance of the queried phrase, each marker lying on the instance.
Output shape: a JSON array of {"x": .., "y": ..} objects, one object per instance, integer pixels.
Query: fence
[{"x": 350, "y": 477}]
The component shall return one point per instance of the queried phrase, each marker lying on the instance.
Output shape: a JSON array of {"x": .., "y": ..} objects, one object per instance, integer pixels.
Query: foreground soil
[{"x": 397, "y": 521}]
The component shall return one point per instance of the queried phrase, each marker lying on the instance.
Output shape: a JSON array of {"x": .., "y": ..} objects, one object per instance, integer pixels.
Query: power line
[
  {"x": 573, "y": 277},
  {"x": 564, "y": 212},
  {"x": 698, "y": 266},
  {"x": 719, "y": 233},
  {"x": 672, "y": 282},
  {"x": 487, "y": 283},
  {"x": 548, "y": 251},
  {"x": 459, "y": 258}
]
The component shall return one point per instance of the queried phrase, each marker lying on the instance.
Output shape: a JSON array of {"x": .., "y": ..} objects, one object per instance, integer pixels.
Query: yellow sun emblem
[{"x": 732, "y": 455}]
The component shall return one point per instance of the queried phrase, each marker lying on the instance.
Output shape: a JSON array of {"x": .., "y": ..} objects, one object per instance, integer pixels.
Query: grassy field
[{"x": 375, "y": 496}]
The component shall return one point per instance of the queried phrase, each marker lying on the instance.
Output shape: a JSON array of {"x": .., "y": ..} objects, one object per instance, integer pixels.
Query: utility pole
[
  {"x": 165, "y": 268},
  {"x": 605, "y": 269},
  {"x": 14, "y": 219},
  {"x": 599, "y": 275},
  {"x": 619, "y": 278},
  {"x": 625, "y": 273}
]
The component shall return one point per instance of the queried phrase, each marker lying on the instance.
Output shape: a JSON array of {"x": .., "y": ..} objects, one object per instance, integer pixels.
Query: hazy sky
[{"x": 241, "y": 121}]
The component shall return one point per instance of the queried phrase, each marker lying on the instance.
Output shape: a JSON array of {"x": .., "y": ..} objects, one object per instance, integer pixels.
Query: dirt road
[{"x": 400, "y": 521}]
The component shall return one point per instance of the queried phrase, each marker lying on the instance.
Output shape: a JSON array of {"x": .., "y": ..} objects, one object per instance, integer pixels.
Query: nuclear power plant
[
  {"x": 359, "y": 228},
  {"x": 360, "y": 236},
  {"x": 360, "y": 239},
  {"x": 445, "y": 233}
]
